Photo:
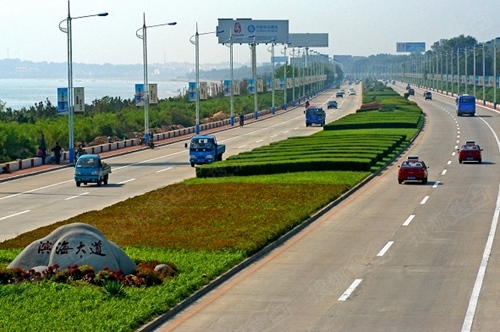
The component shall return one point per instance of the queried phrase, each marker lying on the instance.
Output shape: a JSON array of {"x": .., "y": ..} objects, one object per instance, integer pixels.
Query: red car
[
  {"x": 470, "y": 151},
  {"x": 413, "y": 169}
]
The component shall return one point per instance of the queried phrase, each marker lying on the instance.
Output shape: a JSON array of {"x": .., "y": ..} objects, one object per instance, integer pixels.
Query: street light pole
[
  {"x": 273, "y": 109},
  {"x": 484, "y": 77},
  {"x": 145, "y": 63},
  {"x": 495, "y": 73},
  {"x": 254, "y": 76},
  {"x": 285, "y": 79},
  {"x": 71, "y": 101},
  {"x": 196, "y": 43}
]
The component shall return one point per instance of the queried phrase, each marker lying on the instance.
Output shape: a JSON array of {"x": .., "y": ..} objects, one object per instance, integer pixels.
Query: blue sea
[{"x": 19, "y": 93}]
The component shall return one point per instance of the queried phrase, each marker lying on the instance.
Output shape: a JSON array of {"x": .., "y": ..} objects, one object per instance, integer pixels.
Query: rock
[{"x": 77, "y": 243}]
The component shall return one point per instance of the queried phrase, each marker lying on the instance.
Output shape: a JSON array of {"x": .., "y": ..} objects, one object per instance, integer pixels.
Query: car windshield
[
  {"x": 314, "y": 111},
  {"x": 412, "y": 164},
  {"x": 87, "y": 163},
  {"x": 201, "y": 143}
]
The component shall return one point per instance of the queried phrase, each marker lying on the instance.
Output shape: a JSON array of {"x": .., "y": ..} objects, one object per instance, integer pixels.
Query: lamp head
[{"x": 102, "y": 14}]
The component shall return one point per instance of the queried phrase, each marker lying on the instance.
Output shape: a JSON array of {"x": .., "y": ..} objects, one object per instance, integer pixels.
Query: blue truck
[
  {"x": 203, "y": 149},
  {"x": 90, "y": 169},
  {"x": 315, "y": 115},
  {"x": 466, "y": 104}
]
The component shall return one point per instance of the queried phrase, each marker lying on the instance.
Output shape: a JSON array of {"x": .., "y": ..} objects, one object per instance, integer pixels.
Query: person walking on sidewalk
[
  {"x": 43, "y": 148},
  {"x": 57, "y": 152}
]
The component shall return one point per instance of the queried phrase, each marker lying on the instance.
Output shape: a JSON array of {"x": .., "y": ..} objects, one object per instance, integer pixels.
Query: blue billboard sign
[
  {"x": 62, "y": 101},
  {"x": 410, "y": 47}
]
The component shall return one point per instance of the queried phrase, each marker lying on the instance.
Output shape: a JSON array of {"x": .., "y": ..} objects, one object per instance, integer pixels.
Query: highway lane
[
  {"x": 31, "y": 202},
  {"x": 389, "y": 258}
]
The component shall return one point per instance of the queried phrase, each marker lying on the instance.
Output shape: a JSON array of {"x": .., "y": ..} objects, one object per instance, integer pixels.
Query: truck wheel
[
  {"x": 78, "y": 183},
  {"x": 192, "y": 164},
  {"x": 219, "y": 158},
  {"x": 105, "y": 180},
  {"x": 98, "y": 183}
]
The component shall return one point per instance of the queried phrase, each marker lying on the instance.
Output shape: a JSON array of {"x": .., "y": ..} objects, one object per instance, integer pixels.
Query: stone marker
[{"x": 77, "y": 243}]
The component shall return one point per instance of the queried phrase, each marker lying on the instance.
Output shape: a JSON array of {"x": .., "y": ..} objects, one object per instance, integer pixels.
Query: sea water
[{"x": 19, "y": 93}]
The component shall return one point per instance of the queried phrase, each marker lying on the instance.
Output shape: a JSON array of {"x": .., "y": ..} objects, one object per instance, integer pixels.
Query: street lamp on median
[
  {"x": 271, "y": 49},
  {"x": 196, "y": 43},
  {"x": 67, "y": 31},
  {"x": 495, "y": 72},
  {"x": 231, "y": 41},
  {"x": 143, "y": 36}
]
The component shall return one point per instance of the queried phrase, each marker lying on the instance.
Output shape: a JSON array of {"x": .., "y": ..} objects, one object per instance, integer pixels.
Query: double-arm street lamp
[
  {"x": 67, "y": 31},
  {"x": 143, "y": 36},
  {"x": 271, "y": 49},
  {"x": 195, "y": 40}
]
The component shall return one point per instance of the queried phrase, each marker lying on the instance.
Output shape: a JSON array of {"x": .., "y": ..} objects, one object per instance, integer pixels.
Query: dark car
[
  {"x": 428, "y": 95},
  {"x": 332, "y": 104},
  {"x": 411, "y": 92},
  {"x": 340, "y": 93}
]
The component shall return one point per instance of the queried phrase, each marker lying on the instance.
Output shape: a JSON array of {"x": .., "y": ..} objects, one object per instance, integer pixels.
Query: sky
[{"x": 29, "y": 29}]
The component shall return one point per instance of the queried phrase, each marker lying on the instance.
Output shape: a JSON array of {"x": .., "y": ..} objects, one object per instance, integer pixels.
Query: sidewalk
[{"x": 65, "y": 163}]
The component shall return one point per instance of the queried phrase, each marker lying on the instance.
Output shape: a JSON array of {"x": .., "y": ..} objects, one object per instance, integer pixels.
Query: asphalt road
[
  {"x": 390, "y": 257},
  {"x": 31, "y": 202}
]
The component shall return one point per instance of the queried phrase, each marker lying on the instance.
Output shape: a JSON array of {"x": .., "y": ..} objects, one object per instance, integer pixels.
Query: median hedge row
[{"x": 354, "y": 142}]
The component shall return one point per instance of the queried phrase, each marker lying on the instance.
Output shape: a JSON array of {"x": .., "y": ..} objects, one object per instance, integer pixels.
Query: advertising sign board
[
  {"x": 263, "y": 31},
  {"x": 410, "y": 47}
]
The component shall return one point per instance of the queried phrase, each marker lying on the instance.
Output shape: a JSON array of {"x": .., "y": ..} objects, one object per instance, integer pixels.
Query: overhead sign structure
[
  {"x": 308, "y": 40},
  {"x": 262, "y": 31},
  {"x": 410, "y": 47}
]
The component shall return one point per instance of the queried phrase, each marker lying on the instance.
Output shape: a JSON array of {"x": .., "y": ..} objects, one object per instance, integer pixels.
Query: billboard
[
  {"x": 153, "y": 94},
  {"x": 62, "y": 101},
  {"x": 139, "y": 95},
  {"x": 411, "y": 47},
  {"x": 308, "y": 39},
  {"x": 261, "y": 31},
  {"x": 79, "y": 100},
  {"x": 203, "y": 90},
  {"x": 251, "y": 86},
  {"x": 192, "y": 91}
]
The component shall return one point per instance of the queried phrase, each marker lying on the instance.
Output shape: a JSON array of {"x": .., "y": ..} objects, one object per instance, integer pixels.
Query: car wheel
[
  {"x": 459, "y": 161},
  {"x": 424, "y": 181},
  {"x": 480, "y": 161},
  {"x": 192, "y": 164},
  {"x": 400, "y": 181},
  {"x": 78, "y": 184},
  {"x": 98, "y": 183}
]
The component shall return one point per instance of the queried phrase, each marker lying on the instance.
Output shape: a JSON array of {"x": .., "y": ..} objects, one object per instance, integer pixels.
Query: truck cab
[{"x": 204, "y": 149}]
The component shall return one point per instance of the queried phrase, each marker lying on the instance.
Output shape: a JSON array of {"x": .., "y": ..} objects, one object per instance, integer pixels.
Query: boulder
[{"x": 76, "y": 243}]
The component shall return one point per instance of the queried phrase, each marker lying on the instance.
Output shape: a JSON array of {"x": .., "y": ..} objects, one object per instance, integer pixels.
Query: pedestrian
[
  {"x": 80, "y": 151},
  {"x": 43, "y": 147},
  {"x": 57, "y": 152},
  {"x": 39, "y": 154},
  {"x": 109, "y": 139},
  {"x": 242, "y": 119}
]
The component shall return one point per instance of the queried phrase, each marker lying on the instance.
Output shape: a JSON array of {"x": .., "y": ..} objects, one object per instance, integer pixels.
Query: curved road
[{"x": 390, "y": 257}]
